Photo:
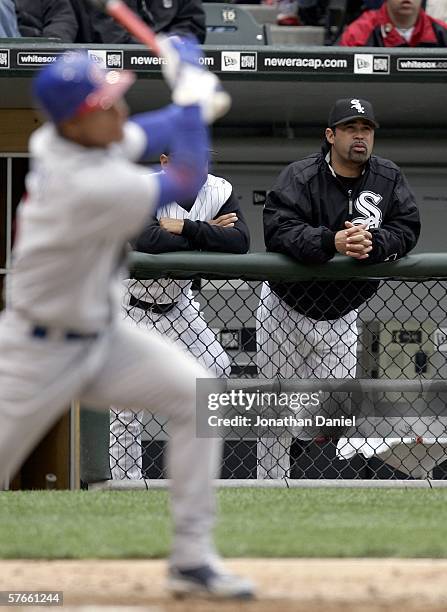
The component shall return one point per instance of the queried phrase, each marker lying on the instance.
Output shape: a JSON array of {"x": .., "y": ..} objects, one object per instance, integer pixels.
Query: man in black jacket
[
  {"x": 47, "y": 19},
  {"x": 343, "y": 200},
  {"x": 211, "y": 222},
  {"x": 180, "y": 17}
]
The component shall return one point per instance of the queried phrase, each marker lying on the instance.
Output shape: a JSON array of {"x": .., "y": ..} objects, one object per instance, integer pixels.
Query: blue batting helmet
[{"x": 74, "y": 84}]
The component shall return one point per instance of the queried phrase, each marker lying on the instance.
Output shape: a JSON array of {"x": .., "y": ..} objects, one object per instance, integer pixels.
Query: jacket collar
[
  {"x": 327, "y": 159},
  {"x": 422, "y": 32}
]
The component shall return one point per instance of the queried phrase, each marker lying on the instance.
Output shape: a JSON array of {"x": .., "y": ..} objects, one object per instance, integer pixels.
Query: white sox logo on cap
[
  {"x": 350, "y": 109},
  {"x": 355, "y": 103}
]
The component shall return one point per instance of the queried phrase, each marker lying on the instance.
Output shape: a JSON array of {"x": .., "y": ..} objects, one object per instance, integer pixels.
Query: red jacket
[{"x": 375, "y": 29}]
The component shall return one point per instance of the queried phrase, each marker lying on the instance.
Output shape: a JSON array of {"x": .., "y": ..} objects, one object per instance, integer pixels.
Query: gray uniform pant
[
  {"x": 185, "y": 325},
  {"x": 127, "y": 367},
  {"x": 290, "y": 345}
]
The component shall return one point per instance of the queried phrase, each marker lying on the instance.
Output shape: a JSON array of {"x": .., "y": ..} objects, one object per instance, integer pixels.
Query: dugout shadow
[
  {"x": 239, "y": 459},
  {"x": 309, "y": 460},
  {"x": 19, "y": 168}
]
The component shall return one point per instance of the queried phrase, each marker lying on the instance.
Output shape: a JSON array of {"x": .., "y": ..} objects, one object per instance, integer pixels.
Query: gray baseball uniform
[
  {"x": 183, "y": 323},
  {"x": 62, "y": 336}
]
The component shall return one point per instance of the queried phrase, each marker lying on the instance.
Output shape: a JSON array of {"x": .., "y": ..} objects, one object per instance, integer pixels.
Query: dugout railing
[{"x": 390, "y": 375}]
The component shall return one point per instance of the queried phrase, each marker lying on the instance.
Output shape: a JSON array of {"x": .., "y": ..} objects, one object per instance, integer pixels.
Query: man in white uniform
[
  {"x": 62, "y": 336},
  {"x": 212, "y": 221}
]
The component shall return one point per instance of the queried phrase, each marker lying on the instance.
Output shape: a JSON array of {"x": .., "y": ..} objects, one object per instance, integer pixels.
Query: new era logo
[
  {"x": 107, "y": 59},
  {"x": 381, "y": 64},
  {"x": 362, "y": 63},
  {"x": 248, "y": 61},
  {"x": 366, "y": 63},
  {"x": 114, "y": 59},
  {"x": 236, "y": 61},
  {"x": 229, "y": 61}
]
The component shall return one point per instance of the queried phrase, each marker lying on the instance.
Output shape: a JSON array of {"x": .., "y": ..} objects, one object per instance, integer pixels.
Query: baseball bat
[{"x": 129, "y": 20}]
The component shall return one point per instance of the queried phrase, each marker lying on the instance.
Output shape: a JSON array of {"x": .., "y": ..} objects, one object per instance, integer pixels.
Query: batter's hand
[
  {"x": 355, "y": 241},
  {"x": 175, "y": 226},
  {"x": 190, "y": 81},
  {"x": 227, "y": 220}
]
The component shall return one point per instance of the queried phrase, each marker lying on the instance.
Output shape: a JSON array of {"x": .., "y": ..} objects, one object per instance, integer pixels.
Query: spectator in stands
[
  {"x": 168, "y": 16},
  {"x": 312, "y": 12},
  {"x": 86, "y": 18},
  {"x": 398, "y": 23},
  {"x": 47, "y": 19},
  {"x": 8, "y": 20},
  {"x": 287, "y": 13},
  {"x": 316, "y": 12},
  {"x": 302, "y": 12},
  {"x": 173, "y": 16}
]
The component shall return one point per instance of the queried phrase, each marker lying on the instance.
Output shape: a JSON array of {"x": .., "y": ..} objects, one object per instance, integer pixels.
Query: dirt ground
[{"x": 285, "y": 585}]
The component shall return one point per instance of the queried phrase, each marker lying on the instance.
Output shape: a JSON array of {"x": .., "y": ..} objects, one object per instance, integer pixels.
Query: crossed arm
[{"x": 226, "y": 233}]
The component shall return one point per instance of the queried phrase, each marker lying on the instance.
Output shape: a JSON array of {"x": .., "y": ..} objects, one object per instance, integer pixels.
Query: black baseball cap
[{"x": 348, "y": 109}]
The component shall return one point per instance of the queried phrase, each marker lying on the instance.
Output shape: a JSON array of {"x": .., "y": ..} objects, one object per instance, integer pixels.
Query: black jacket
[
  {"x": 172, "y": 16},
  {"x": 308, "y": 205},
  {"x": 197, "y": 235},
  {"x": 168, "y": 16},
  {"x": 47, "y": 19},
  {"x": 86, "y": 19}
]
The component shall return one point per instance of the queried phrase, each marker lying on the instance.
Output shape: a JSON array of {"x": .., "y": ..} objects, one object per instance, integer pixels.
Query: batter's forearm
[
  {"x": 160, "y": 128},
  {"x": 186, "y": 171}
]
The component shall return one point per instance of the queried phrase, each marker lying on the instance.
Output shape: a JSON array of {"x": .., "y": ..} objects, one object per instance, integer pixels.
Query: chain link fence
[{"x": 222, "y": 309}]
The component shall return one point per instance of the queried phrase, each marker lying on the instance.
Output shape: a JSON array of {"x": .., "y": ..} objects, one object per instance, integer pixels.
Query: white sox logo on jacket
[{"x": 367, "y": 204}]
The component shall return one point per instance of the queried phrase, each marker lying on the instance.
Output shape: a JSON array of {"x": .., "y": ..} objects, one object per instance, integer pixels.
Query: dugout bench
[{"x": 281, "y": 97}]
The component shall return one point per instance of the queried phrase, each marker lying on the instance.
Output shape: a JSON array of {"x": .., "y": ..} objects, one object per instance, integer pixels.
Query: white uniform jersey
[
  {"x": 210, "y": 199},
  {"x": 82, "y": 206}
]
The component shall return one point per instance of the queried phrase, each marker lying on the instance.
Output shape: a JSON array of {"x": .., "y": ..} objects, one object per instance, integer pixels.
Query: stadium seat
[
  {"x": 262, "y": 13},
  {"x": 229, "y": 24},
  {"x": 294, "y": 35}
]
